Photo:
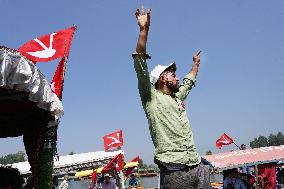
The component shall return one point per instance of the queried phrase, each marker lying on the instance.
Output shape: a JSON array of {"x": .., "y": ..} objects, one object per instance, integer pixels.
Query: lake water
[{"x": 147, "y": 182}]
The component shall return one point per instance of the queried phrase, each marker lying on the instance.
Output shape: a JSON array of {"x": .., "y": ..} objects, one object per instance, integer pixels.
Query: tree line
[
  {"x": 13, "y": 158},
  {"x": 271, "y": 140}
]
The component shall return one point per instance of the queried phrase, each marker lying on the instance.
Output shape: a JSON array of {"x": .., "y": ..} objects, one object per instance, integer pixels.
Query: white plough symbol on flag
[
  {"x": 225, "y": 141},
  {"x": 115, "y": 140},
  {"x": 47, "y": 52},
  {"x": 52, "y": 86}
]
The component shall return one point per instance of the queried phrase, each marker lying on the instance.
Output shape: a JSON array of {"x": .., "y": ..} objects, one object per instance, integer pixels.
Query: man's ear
[{"x": 163, "y": 79}]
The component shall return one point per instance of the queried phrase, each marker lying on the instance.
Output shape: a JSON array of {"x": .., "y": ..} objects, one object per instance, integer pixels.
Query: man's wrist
[
  {"x": 144, "y": 28},
  {"x": 196, "y": 63}
]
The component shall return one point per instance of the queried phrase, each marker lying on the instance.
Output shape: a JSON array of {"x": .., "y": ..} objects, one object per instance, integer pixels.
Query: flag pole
[
  {"x": 237, "y": 145},
  {"x": 66, "y": 56}
]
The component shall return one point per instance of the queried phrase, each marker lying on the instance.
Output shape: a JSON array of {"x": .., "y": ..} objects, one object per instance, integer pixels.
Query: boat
[{"x": 265, "y": 164}]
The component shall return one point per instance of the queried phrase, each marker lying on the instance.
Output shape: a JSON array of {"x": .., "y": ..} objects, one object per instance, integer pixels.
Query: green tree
[
  {"x": 154, "y": 167},
  {"x": 272, "y": 140},
  {"x": 261, "y": 141},
  {"x": 276, "y": 140},
  {"x": 142, "y": 165},
  {"x": 71, "y": 153},
  {"x": 13, "y": 158}
]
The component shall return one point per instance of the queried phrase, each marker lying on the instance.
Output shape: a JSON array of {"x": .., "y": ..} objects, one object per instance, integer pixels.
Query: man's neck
[{"x": 165, "y": 90}]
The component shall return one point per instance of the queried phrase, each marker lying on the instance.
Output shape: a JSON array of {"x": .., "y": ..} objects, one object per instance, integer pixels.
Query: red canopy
[{"x": 248, "y": 157}]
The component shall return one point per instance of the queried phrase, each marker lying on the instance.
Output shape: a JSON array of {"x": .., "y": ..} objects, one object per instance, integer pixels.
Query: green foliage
[
  {"x": 13, "y": 158},
  {"x": 71, "y": 153},
  {"x": 46, "y": 169},
  {"x": 209, "y": 152},
  {"x": 154, "y": 167},
  {"x": 142, "y": 165},
  {"x": 272, "y": 140}
]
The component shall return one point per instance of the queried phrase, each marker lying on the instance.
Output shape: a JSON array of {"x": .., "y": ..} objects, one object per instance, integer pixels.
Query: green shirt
[{"x": 168, "y": 122}]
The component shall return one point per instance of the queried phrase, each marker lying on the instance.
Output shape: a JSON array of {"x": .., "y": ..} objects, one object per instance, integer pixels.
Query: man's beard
[{"x": 173, "y": 88}]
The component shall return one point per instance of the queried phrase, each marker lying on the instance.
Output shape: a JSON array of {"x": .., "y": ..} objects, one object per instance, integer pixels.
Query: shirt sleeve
[
  {"x": 188, "y": 82},
  {"x": 141, "y": 68}
]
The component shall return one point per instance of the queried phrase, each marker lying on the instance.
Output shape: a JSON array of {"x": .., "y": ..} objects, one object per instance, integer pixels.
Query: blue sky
[{"x": 240, "y": 83}]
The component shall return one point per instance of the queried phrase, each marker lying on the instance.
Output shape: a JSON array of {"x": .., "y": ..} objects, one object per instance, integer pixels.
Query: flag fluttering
[
  {"x": 224, "y": 140},
  {"x": 113, "y": 140},
  {"x": 58, "y": 78},
  {"x": 49, "y": 47},
  {"x": 94, "y": 179},
  {"x": 116, "y": 163},
  {"x": 130, "y": 170},
  {"x": 136, "y": 159}
]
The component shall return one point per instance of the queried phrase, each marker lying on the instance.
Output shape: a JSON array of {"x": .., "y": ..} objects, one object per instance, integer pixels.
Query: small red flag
[
  {"x": 58, "y": 78},
  {"x": 94, "y": 179},
  {"x": 49, "y": 47},
  {"x": 113, "y": 140},
  {"x": 130, "y": 170},
  {"x": 223, "y": 140},
  {"x": 136, "y": 159},
  {"x": 116, "y": 163}
]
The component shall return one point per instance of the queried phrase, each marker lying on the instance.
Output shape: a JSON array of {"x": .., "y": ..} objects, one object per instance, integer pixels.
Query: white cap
[
  {"x": 156, "y": 72},
  {"x": 106, "y": 175}
]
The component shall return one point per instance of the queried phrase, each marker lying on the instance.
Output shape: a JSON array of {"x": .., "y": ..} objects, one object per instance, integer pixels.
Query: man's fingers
[
  {"x": 143, "y": 10},
  {"x": 198, "y": 52},
  {"x": 149, "y": 11},
  {"x": 137, "y": 13},
  {"x": 148, "y": 14}
]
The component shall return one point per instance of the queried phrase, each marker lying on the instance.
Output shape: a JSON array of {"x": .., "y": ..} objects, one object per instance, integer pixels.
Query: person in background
[
  {"x": 233, "y": 180},
  {"x": 133, "y": 181},
  {"x": 108, "y": 184},
  {"x": 10, "y": 178},
  {"x": 243, "y": 147},
  {"x": 100, "y": 180},
  {"x": 54, "y": 182},
  {"x": 64, "y": 184}
]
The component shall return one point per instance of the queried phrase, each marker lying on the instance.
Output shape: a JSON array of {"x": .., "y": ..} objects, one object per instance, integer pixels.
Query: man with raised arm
[{"x": 162, "y": 99}]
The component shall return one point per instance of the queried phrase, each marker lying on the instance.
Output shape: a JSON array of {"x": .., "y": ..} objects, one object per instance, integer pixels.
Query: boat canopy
[
  {"x": 89, "y": 172},
  {"x": 255, "y": 156}
]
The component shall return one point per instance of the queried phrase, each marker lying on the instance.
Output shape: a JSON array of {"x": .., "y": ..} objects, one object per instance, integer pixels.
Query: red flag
[
  {"x": 223, "y": 140},
  {"x": 267, "y": 175},
  {"x": 94, "y": 175},
  {"x": 58, "y": 78},
  {"x": 113, "y": 140},
  {"x": 116, "y": 163},
  {"x": 130, "y": 170},
  {"x": 49, "y": 47},
  {"x": 136, "y": 159},
  {"x": 94, "y": 179}
]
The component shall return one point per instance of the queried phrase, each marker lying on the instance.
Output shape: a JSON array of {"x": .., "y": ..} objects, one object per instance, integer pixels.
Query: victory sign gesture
[{"x": 143, "y": 19}]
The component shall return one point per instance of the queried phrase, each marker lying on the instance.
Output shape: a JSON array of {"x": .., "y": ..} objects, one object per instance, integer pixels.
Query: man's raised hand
[
  {"x": 143, "y": 19},
  {"x": 196, "y": 57}
]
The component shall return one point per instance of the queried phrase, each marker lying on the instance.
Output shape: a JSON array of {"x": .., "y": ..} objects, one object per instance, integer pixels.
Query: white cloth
[
  {"x": 64, "y": 185},
  {"x": 18, "y": 73}
]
